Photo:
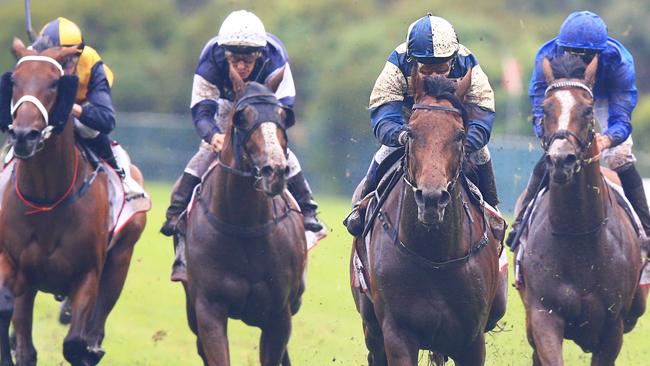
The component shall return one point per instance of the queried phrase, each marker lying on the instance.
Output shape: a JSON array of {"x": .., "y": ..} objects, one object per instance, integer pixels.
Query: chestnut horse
[
  {"x": 580, "y": 262},
  {"x": 246, "y": 248},
  {"x": 54, "y": 233},
  {"x": 433, "y": 259}
]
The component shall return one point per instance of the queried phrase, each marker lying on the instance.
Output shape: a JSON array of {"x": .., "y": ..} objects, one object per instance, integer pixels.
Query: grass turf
[{"x": 148, "y": 326}]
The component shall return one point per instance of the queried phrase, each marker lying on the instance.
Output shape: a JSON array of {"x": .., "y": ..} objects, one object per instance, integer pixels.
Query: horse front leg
[
  {"x": 7, "y": 277},
  {"x": 23, "y": 320},
  {"x": 275, "y": 337},
  {"x": 474, "y": 354},
  {"x": 545, "y": 335},
  {"x": 212, "y": 324},
  {"x": 76, "y": 348},
  {"x": 609, "y": 346},
  {"x": 401, "y": 345},
  {"x": 498, "y": 309}
]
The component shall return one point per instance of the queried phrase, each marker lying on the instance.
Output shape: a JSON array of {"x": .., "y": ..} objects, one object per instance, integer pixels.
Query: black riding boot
[
  {"x": 487, "y": 183},
  {"x": 354, "y": 221},
  {"x": 102, "y": 146},
  {"x": 633, "y": 188},
  {"x": 531, "y": 190},
  {"x": 181, "y": 196},
  {"x": 300, "y": 190}
]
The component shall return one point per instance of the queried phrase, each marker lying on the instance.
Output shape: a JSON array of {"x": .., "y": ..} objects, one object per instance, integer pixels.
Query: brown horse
[
  {"x": 246, "y": 248},
  {"x": 580, "y": 263},
  {"x": 433, "y": 259},
  {"x": 54, "y": 233}
]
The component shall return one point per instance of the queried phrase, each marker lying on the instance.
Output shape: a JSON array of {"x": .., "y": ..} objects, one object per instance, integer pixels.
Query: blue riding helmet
[
  {"x": 583, "y": 30},
  {"x": 431, "y": 39}
]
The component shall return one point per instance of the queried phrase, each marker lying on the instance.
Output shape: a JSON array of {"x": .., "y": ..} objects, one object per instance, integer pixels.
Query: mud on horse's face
[{"x": 40, "y": 97}]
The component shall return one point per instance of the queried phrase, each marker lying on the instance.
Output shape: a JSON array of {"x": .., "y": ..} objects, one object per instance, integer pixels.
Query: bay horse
[
  {"x": 54, "y": 233},
  {"x": 580, "y": 263},
  {"x": 432, "y": 263},
  {"x": 246, "y": 248}
]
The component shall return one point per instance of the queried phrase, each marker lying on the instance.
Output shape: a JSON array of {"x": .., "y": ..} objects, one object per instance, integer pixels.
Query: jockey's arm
[
  {"x": 386, "y": 104},
  {"x": 98, "y": 112},
  {"x": 479, "y": 103},
  {"x": 622, "y": 100},
  {"x": 204, "y": 107},
  {"x": 536, "y": 92}
]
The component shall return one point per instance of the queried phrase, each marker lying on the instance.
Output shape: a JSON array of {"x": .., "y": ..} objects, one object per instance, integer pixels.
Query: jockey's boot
[
  {"x": 355, "y": 219},
  {"x": 179, "y": 267},
  {"x": 102, "y": 147},
  {"x": 181, "y": 196},
  {"x": 487, "y": 184},
  {"x": 633, "y": 188},
  {"x": 300, "y": 190},
  {"x": 531, "y": 190}
]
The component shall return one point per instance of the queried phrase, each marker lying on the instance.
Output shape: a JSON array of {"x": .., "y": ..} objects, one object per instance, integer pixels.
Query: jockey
[
  {"x": 94, "y": 116},
  {"x": 432, "y": 46},
  {"x": 256, "y": 55},
  {"x": 584, "y": 34}
]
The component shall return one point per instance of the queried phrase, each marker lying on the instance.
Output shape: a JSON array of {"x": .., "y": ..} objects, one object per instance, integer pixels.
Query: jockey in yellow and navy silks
[
  {"x": 93, "y": 112},
  {"x": 584, "y": 34},
  {"x": 244, "y": 44},
  {"x": 432, "y": 46}
]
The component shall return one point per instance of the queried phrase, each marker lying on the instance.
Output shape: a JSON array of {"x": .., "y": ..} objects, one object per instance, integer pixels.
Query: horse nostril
[
  {"x": 266, "y": 171},
  {"x": 418, "y": 196},
  {"x": 444, "y": 199},
  {"x": 287, "y": 170}
]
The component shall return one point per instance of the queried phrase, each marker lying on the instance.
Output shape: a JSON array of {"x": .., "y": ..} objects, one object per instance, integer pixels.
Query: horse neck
[
  {"x": 439, "y": 242},
  {"x": 578, "y": 205},
  {"x": 48, "y": 174},
  {"x": 235, "y": 198}
]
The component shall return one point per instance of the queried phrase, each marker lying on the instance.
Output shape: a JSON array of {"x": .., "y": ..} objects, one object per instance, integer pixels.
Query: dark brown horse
[
  {"x": 580, "y": 262},
  {"x": 246, "y": 248},
  {"x": 433, "y": 259},
  {"x": 54, "y": 233}
]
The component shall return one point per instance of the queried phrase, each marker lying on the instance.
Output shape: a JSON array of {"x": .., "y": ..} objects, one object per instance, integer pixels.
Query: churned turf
[{"x": 148, "y": 325}]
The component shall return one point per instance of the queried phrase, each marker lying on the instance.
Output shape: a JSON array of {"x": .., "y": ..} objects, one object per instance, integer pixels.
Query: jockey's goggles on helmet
[
  {"x": 440, "y": 67},
  {"x": 247, "y": 58},
  {"x": 585, "y": 54}
]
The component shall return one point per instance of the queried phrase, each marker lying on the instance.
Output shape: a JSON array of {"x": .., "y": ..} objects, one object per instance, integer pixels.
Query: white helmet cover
[
  {"x": 242, "y": 28},
  {"x": 431, "y": 36}
]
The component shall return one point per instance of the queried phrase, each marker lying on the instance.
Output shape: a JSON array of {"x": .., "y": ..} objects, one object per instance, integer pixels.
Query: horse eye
[
  {"x": 459, "y": 136},
  {"x": 587, "y": 112},
  {"x": 54, "y": 84}
]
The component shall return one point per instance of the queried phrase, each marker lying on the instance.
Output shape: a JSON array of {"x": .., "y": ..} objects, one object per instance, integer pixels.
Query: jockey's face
[
  {"x": 70, "y": 65},
  {"x": 585, "y": 54},
  {"x": 243, "y": 63}
]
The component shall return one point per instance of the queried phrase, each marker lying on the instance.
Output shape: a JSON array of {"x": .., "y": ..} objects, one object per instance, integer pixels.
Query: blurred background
[{"x": 337, "y": 49}]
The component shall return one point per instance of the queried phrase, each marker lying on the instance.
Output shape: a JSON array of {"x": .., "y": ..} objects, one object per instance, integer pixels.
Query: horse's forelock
[
  {"x": 441, "y": 87},
  {"x": 568, "y": 66}
]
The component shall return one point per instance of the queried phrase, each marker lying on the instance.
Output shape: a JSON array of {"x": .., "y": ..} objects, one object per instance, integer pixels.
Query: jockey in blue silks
[
  {"x": 256, "y": 55},
  {"x": 432, "y": 46},
  {"x": 584, "y": 34}
]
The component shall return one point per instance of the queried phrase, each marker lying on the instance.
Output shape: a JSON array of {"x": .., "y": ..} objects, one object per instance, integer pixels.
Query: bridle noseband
[
  {"x": 407, "y": 172},
  {"x": 583, "y": 145}
]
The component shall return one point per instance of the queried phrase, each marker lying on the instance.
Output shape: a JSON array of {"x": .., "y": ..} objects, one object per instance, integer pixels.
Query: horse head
[
  {"x": 569, "y": 126},
  {"x": 257, "y": 132},
  {"x": 435, "y": 144},
  {"x": 36, "y": 99}
]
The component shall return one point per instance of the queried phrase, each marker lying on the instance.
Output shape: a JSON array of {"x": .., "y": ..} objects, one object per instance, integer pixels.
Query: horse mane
[
  {"x": 441, "y": 87},
  {"x": 568, "y": 66}
]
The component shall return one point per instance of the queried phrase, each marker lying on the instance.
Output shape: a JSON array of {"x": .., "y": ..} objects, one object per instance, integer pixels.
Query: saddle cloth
[
  {"x": 621, "y": 200},
  {"x": 125, "y": 198}
]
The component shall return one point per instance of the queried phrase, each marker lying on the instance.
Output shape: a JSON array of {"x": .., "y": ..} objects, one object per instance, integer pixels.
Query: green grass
[{"x": 148, "y": 326}]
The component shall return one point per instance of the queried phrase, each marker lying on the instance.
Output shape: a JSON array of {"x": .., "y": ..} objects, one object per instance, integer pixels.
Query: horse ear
[
  {"x": 237, "y": 82},
  {"x": 590, "y": 72},
  {"x": 18, "y": 48},
  {"x": 548, "y": 71},
  {"x": 417, "y": 84},
  {"x": 464, "y": 84},
  {"x": 274, "y": 81}
]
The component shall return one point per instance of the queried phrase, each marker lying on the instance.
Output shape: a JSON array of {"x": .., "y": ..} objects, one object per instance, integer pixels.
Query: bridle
[
  {"x": 241, "y": 134},
  {"x": 459, "y": 167},
  {"x": 583, "y": 146}
]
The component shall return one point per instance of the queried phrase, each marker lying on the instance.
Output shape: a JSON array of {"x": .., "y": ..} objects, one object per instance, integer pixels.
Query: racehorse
[
  {"x": 432, "y": 262},
  {"x": 580, "y": 262},
  {"x": 246, "y": 248},
  {"x": 54, "y": 221}
]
